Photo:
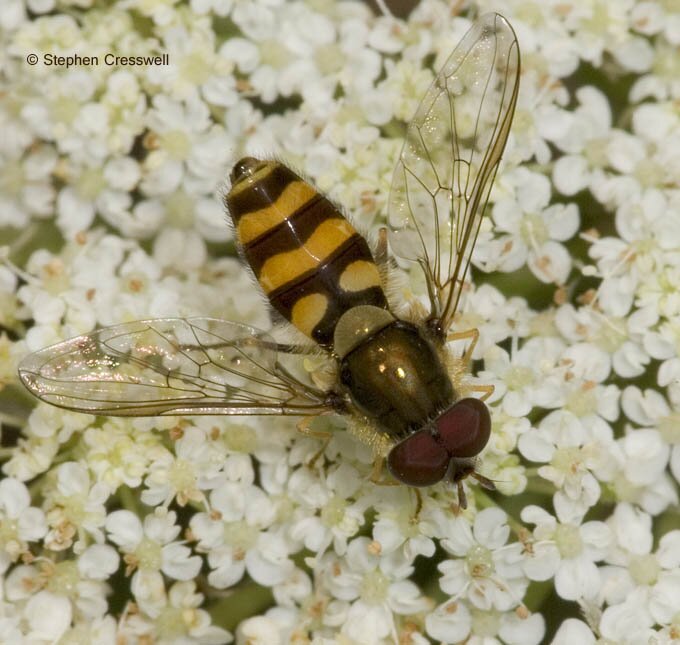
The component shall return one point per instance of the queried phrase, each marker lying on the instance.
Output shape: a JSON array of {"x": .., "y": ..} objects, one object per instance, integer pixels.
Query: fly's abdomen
[{"x": 309, "y": 260}]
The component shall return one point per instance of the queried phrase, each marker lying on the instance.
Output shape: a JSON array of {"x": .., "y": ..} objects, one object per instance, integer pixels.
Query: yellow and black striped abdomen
[{"x": 309, "y": 260}]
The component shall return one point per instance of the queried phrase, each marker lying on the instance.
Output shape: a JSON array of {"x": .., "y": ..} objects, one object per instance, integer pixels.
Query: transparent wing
[
  {"x": 450, "y": 156},
  {"x": 169, "y": 366}
]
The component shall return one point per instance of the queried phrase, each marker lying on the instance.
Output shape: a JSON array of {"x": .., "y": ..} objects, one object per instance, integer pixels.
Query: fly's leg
[
  {"x": 419, "y": 505},
  {"x": 282, "y": 348},
  {"x": 486, "y": 390},
  {"x": 462, "y": 497},
  {"x": 303, "y": 427},
  {"x": 458, "y": 478},
  {"x": 376, "y": 476},
  {"x": 381, "y": 255},
  {"x": 472, "y": 334},
  {"x": 255, "y": 341}
]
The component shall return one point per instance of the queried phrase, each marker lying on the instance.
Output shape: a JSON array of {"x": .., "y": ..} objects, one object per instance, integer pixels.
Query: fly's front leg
[
  {"x": 419, "y": 505},
  {"x": 486, "y": 390},
  {"x": 472, "y": 334},
  {"x": 377, "y": 473}
]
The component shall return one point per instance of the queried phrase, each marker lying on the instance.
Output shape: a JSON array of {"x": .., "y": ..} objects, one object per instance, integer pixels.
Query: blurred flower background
[{"x": 208, "y": 530}]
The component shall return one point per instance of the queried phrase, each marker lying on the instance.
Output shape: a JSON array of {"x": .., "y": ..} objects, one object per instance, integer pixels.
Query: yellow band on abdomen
[
  {"x": 359, "y": 275},
  {"x": 294, "y": 196},
  {"x": 285, "y": 267}
]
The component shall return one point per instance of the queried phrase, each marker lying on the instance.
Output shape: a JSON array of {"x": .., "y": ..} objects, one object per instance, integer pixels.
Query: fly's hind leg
[
  {"x": 281, "y": 348},
  {"x": 381, "y": 255}
]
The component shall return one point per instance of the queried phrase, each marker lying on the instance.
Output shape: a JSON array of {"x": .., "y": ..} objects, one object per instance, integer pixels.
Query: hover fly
[{"x": 393, "y": 375}]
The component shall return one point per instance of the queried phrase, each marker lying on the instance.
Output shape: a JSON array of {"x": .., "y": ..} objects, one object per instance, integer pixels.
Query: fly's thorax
[
  {"x": 311, "y": 263},
  {"x": 396, "y": 377}
]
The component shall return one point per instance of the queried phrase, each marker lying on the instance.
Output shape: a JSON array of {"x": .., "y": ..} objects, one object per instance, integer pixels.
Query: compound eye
[
  {"x": 419, "y": 460},
  {"x": 464, "y": 429}
]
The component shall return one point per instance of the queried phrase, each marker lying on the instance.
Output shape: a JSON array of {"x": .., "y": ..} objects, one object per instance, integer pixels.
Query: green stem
[
  {"x": 129, "y": 500},
  {"x": 248, "y": 599}
]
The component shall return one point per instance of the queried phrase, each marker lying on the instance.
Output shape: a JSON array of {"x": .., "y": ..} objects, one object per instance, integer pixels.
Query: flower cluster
[{"x": 215, "y": 529}]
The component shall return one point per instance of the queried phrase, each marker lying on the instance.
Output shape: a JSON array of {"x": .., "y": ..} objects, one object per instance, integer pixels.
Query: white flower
[
  {"x": 21, "y": 522},
  {"x": 596, "y": 29},
  {"x": 177, "y": 618},
  {"x": 180, "y": 250},
  {"x": 662, "y": 82},
  {"x": 126, "y": 105},
  {"x": 98, "y": 562},
  {"x": 641, "y": 457},
  {"x": 406, "y": 82},
  {"x": 450, "y": 622},
  {"x": 276, "y": 627},
  {"x": 486, "y": 571},
  {"x": 144, "y": 151},
  {"x": 530, "y": 230},
  {"x": 188, "y": 151},
  {"x": 576, "y": 449},
  {"x": 528, "y": 377},
  {"x": 195, "y": 466},
  {"x": 453, "y": 622},
  {"x": 613, "y": 340},
  {"x": 33, "y": 457},
  {"x": 626, "y": 623},
  {"x": 194, "y": 66},
  {"x": 396, "y": 528},
  {"x": 48, "y": 615},
  {"x": 370, "y": 587},
  {"x": 78, "y": 590},
  {"x": 641, "y": 584},
  {"x": 119, "y": 453},
  {"x": 583, "y": 141},
  {"x": 327, "y": 514},
  {"x": 12, "y": 14},
  {"x": 496, "y": 317},
  {"x": 150, "y": 548},
  {"x": 233, "y": 535},
  {"x": 573, "y": 630},
  {"x": 27, "y": 190},
  {"x": 100, "y": 630},
  {"x": 566, "y": 549},
  {"x": 75, "y": 508},
  {"x": 650, "y": 409},
  {"x": 93, "y": 190}
]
